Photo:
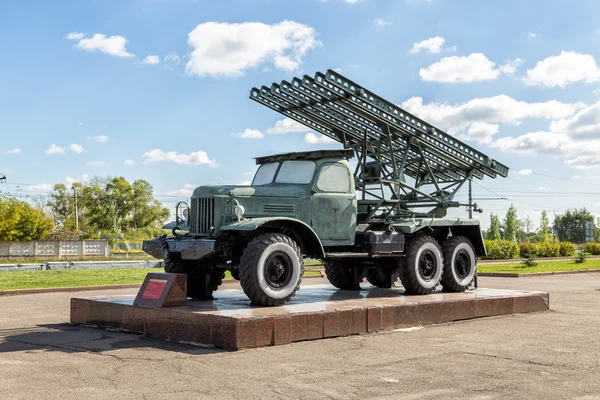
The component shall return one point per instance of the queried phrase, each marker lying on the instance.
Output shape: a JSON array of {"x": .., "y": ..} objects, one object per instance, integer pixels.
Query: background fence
[{"x": 54, "y": 249}]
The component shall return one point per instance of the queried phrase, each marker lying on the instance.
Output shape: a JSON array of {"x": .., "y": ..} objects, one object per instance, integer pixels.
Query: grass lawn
[
  {"x": 80, "y": 277},
  {"x": 32, "y": 260},
  {"x": 543, "y": 266}
]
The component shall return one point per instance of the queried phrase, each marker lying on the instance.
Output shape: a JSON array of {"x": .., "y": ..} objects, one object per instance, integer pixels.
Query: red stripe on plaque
[{"x": 154, "y": 289}]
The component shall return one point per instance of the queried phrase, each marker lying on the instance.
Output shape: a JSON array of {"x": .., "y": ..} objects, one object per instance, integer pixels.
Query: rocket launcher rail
[{"x": 399, "y": 142}]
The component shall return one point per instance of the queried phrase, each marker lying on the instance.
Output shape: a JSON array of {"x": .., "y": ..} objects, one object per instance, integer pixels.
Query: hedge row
[
  {"x": 592, "y": 248},
  {"x": 506, "y": 249}
]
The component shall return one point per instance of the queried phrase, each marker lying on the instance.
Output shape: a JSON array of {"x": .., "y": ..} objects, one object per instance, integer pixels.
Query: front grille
[{"x": 203, "y": 215}]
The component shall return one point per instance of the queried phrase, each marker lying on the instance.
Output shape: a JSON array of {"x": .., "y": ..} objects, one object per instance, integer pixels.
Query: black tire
[
  {"x": 235, "y": 273},
  {"x": 196, "y": 278},
  {"x": 271, "y": 269},
  {"x": 380, "y": 277},
  {"x": 460, "y": 264},
  {"x": 423, "y": 265},
  {"x": 342, "y": 276}
]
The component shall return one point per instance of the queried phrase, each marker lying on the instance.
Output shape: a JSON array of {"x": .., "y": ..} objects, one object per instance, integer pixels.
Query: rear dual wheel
[
  {"x": 343, "y": 276},
  {"x": 460, "y": 264},
  {"x": 423, "y": 265}
]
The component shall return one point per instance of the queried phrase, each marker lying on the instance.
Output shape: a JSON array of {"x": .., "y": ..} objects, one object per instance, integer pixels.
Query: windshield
[
  {"x": 265, "y": 174},
  {"x": 296, "y": 172}
]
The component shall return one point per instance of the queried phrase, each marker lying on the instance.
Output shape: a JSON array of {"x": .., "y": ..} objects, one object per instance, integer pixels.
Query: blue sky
[{"x": 158, "y": 89}]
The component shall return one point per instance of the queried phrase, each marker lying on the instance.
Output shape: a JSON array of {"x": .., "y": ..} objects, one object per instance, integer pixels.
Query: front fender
[{"x": 311, "y": 241}]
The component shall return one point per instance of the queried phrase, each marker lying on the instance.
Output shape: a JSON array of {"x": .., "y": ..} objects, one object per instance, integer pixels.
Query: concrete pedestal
[{"x": 316, "y": 312}]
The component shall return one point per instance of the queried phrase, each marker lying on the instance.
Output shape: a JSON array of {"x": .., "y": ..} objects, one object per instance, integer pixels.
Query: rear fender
[{"x": 473, "y": 233}]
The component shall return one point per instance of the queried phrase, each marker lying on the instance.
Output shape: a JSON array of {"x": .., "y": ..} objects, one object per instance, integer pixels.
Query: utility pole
[
  {"x": 470, "y": 199},
  {"x": 75, "y": 202}
]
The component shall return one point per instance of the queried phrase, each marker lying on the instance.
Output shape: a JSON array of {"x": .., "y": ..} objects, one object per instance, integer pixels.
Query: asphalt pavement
[{"x": 549, "y": 355}]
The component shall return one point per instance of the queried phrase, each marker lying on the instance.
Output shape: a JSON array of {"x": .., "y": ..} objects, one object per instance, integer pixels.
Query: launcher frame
[{"x": 389, "y": 143}]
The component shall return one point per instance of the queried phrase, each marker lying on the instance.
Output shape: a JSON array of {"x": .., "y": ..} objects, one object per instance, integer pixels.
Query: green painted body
[{"x": 332, "y": 216}]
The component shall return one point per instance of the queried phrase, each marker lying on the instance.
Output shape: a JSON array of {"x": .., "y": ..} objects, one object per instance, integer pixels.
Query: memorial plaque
[{"x": 162, "y": 290}]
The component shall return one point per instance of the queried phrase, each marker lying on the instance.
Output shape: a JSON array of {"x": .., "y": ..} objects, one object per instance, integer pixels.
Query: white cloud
[
  {"x": 224, "y": 49},
  {"x": 584, "y": 124},
  {"x": 432, "y": 45},
  {"x": 500, "y": 109},
  {"x": 250, "y": 134},
  {"x": 76, "y": 148},
  {"x": 245, "y": 183},
  {"x": 74, "y": 36},
  {"x": 481, "y": 132},
  {"x": 561, "y": 70},
  {"x": 151, "y": 60},
  {"x": 96, "y": 164},
  {"x": 577, "y": 177},
  {"x": 380, "y": 23},
  {"x": 54, "y": 149},
  {"x": 522, "y": 172},
  {"x": 113, "y": 45},
  {"x": 41, "y": 187},
  {"x": 172, "y": 60},
  {"x": 287, "y": 125},
  {"x": 511, "y": 66},
  {"x": 16, "y": 150},
  {"x": 572, "y": 138},
  {"x": 99, "y": 138},
  {"x": 532, "y": 35},
  {"x": 311, "y": 138},
  {"x": 585, "y": 162},
  {"x": 543, "y": 188},
  {"x": 195, "y": 158},
  {"x": 129, "y": 162},
  {"x": 185, "y": 191},
  {"x": 82, "y": 179},
  {"x": 473, "y": 68}
]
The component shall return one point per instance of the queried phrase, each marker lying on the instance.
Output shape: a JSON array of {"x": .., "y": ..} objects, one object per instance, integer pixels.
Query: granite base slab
[{"x": 316, "y": 312}]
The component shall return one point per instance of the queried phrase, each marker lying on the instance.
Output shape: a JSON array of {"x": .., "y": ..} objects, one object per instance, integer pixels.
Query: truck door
[{"x": 334, "y": 205}]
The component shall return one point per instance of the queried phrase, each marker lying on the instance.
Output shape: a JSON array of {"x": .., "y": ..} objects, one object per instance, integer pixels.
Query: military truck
[{"x": 381, "y": 218}]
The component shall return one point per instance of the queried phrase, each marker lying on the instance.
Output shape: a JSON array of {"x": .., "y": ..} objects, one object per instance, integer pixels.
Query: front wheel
[
  {"x": 202, "y": 280},
  {"x": 423, "y": 266},
  {"x": 459, "y": 264},
  {"x": 271, "y": 269}
]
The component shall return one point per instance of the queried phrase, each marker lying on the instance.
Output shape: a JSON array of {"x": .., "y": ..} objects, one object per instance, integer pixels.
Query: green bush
[
  {"x": 526, "y": 248},
  {"x": 567, "y": 249},
  {"x": 548, "y": 249},
  {"x": 581, "y": 257},
  {"x": 530, "y": 261},
  {"x": 501, "y": 249},
  {"x": 592, "y": 248}
]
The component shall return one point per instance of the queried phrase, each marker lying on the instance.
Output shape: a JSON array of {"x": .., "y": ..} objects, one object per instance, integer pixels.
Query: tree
[
  {"x": 570, "y": 226},
  {"x": 511, "y": 224},
  {"x": 544, "y": 230},
  {"x": 494, "y": 231},
  {"x": 526, "y": 230},
  {"x": 21, "y": 221},
  {"x": 111, "y": 208}
]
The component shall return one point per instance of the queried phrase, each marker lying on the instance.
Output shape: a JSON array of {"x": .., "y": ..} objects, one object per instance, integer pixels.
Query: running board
[{"x": 361, "y": 255}]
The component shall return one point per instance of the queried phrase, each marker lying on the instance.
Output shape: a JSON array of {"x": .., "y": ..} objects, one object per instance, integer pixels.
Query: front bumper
[{"x": 190, "y": 249}]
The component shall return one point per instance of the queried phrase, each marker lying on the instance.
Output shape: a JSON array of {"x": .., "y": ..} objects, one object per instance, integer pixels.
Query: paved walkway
[{"x": 551, "y": 355}]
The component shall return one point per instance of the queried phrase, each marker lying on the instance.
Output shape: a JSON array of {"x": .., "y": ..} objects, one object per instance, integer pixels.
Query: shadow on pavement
[{"x": 74, "y": 338}]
